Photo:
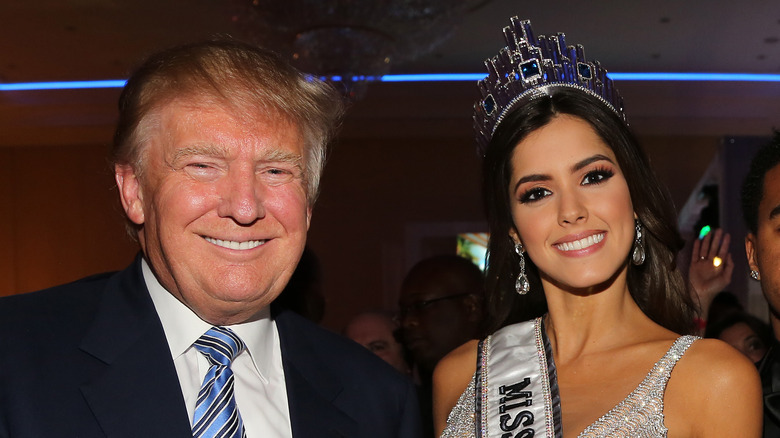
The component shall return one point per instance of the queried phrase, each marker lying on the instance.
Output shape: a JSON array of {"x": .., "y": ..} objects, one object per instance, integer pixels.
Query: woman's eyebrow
[
  {"x": 581, "y": 164},
  {"x": 531, "y": 178}
]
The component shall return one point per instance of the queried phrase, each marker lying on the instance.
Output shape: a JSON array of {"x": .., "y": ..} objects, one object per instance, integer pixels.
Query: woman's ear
[{"x": 514, "y": 236}]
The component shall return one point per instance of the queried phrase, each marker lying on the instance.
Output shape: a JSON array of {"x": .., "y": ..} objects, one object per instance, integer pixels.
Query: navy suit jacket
[{"x": 90, "y": 359}]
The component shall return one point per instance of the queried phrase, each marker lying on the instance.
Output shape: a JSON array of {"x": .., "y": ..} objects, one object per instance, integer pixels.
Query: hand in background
[{"x": 706, "y": 278}]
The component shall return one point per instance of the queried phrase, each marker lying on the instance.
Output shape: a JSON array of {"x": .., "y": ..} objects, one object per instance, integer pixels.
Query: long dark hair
[{"x": 657, "y": 286}]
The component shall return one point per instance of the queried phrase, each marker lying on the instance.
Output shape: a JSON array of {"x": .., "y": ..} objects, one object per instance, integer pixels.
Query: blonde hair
[{"x": 235, "y": 74}]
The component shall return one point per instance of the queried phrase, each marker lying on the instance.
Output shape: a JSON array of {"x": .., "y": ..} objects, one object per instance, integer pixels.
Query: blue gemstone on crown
[
  {"x": 530, "y": 70},
  {"x": 489, "y": 104},
  {"x": 584, "y": 71}
]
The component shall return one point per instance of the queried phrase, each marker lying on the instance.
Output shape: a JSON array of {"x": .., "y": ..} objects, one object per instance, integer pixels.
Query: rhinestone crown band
[{"x": 528, "y": 68}]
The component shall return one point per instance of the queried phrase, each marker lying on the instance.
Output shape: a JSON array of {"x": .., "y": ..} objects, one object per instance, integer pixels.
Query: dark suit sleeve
[{"x": 410, "y": 422}]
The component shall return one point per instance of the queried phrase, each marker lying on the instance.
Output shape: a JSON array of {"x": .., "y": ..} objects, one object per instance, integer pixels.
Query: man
[
  {"x": 377, "y": 332},
  {"x": 761, "y": 210},
  {"x": 440, "y": 308},
  {"x": 217, "y": 155}
]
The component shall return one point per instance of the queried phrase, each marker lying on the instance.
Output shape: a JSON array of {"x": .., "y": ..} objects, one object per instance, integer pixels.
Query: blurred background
[{"x": 403, "y": 177}]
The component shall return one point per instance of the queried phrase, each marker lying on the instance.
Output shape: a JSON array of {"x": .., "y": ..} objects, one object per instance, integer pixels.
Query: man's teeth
[
  {"x": 582, "y": 243},
  {"x": 231, "y": 244}
]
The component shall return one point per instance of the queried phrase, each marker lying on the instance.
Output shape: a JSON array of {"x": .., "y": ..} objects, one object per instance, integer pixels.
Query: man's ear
[
  {"x": 750, "y": 250},
  {"x": 130, "y": 192}
]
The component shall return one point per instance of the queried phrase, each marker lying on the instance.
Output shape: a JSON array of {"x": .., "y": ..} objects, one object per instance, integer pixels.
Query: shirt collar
[{"x": 183, "y": 327}]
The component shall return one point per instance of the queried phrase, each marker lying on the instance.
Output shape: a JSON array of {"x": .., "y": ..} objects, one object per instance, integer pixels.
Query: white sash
[{"x": 517, "y": 389}]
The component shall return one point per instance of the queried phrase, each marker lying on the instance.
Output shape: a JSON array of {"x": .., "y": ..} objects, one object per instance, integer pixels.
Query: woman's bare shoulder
[
  {"x": 458, "y": 364},
  {"x": 717, "y": 362},
  {"x": 452, "y": 375},
  {"x": 712, "y": 378}
]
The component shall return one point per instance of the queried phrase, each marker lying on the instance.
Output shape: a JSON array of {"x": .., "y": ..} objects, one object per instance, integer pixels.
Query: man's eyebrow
[
  {"x": 775, "y": 211},
  {"x": 283, "y": 156},
  {"x": 207, "y": 150}
]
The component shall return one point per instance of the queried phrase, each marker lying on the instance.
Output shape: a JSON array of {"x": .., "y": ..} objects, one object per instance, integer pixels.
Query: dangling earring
[
  {"x": 755, "y": 275},
  {"x": 638, "y": 255},
  {"x": 522, "y": 286}
]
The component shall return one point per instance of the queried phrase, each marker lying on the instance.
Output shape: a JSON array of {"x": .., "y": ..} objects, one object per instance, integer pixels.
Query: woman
[
  {"x": 582, "y": 285},
  {"x": 743, "y": 331}
]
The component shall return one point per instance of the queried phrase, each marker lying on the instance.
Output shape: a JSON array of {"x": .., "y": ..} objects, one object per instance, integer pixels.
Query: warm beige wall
[
  {"x": 59, "y": 217},
  {"x": 373, "y": 193},
  {"x": 7, "y": 234},
  {"x": 680, "y": 161}
]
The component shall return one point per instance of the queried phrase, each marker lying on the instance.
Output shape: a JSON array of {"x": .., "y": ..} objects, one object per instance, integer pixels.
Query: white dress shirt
[{"x": 260, "y": 390}]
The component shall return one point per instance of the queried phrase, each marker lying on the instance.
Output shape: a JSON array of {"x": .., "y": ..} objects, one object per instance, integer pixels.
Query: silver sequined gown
[{"x": 640, "y": 415}]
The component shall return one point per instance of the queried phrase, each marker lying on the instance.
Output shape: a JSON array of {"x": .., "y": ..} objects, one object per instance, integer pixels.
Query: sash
[{"x": 516, "y": 385}]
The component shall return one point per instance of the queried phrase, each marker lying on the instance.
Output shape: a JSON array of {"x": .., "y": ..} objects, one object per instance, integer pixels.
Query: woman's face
[
  {"x": 744, "y": 339},
  {"x": 571, "y": 205}
]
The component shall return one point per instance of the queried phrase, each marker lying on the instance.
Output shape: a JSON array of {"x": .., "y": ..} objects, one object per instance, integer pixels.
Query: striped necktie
[{"x": 216, "y": 413}]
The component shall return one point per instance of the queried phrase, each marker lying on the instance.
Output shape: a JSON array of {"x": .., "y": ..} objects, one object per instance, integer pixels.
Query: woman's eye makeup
[
  {"x": 534, "y": 194},
  {"x": 597, "y": 176}
]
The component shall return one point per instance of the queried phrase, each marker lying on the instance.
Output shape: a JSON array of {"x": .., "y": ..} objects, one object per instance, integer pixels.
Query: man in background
[
  {"x": 761, "y": 210},
  {"x": 440, "y": 308},
  {"x": 217, "y": 154},
  {"x": 378, "y": 332}
]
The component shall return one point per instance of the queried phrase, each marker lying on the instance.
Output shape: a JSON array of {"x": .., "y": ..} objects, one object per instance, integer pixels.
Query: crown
[{"x": 528, "y": 68}]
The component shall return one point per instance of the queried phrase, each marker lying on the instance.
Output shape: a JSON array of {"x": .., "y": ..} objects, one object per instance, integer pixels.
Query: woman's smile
[{"x": 581, "y": 244}]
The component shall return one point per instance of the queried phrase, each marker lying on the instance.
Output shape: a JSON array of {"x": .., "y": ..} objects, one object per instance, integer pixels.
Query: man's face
[
  {"x": 375, "y": 332},
  {"x": 434, "y": 320},
  {"x": 763, "y": 248},
  {"x": 222, "y": 205}
]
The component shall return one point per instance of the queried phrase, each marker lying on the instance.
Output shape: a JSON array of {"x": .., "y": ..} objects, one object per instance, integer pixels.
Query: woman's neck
[{"x": 601, "y": 319}]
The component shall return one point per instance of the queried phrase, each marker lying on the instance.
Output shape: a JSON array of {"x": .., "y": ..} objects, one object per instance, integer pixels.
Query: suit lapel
[
  {"x": 138, "y": 392},
  {"x": 312, "y": 389}
]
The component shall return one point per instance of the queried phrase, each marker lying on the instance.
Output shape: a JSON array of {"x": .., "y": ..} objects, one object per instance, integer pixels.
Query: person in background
[
  {"x": 440, "y": 308},
  {"x": 378, "y": 332},
  {"x": 761, "y": 211},
  {"x": 743, "y": 331},
  {"x": 217, "y": 156},
  {"x": 710, "y": 271},
  {"x": 588, "y": 314}
]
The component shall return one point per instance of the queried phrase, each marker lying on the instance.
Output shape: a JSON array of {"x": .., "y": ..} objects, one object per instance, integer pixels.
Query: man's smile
[{"x": 232, "y": 244}]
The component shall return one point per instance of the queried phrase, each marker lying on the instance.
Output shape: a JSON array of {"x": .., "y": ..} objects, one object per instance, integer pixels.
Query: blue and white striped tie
[{"x": 216, "y": 413}]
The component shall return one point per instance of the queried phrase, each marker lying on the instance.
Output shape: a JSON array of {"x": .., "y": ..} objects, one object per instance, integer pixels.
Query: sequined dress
[{"x": 640, "y": 414}]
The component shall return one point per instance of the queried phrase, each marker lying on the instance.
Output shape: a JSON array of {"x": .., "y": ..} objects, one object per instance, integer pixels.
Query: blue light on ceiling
[
  {"x": 435, "y": 77},
  {"x": 656, "y": 77},
  {"x": 72, "y": 85}
]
